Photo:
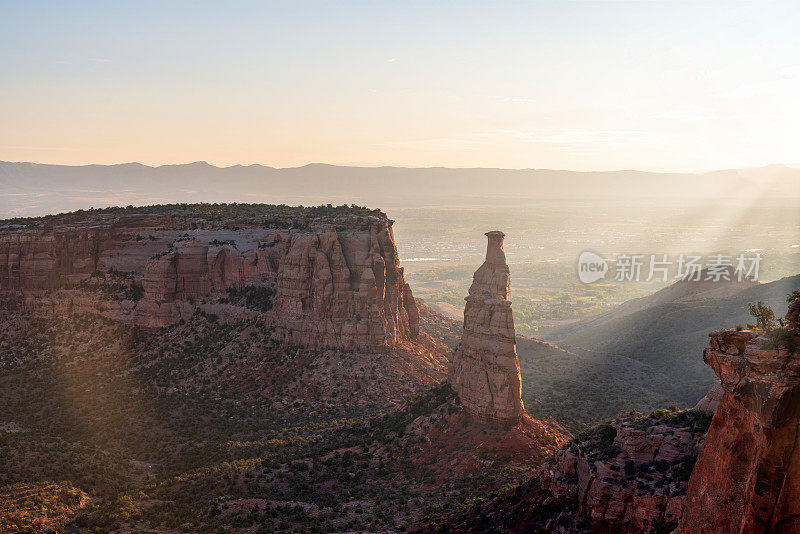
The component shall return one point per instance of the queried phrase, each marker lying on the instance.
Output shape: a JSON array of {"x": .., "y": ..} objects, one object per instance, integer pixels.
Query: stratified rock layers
[
  {"x": 625, "y": 475},
  {"x": 337, "y": 280},
  {"x": 485, "y": 368},
  {"x": 747, "y": 477}
]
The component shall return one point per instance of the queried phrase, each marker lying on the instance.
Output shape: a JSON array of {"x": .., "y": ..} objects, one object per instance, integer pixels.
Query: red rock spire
[{"x": 485, "y": 367}]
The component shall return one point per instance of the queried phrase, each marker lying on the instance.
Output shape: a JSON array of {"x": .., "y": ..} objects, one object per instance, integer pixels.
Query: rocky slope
[
  {"x": 628, "y": 475},
  {"x": 747, "y": 477},
  {"x": 485, "y": 368},
  {"x": 323, "y": 277},
  {"x": 667, "y": 336}
]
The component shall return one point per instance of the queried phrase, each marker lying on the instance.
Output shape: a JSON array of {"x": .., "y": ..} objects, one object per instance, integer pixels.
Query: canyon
[{"x": 270, "y": 341}]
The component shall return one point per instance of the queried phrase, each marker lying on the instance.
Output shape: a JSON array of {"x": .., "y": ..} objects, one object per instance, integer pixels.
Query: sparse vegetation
[
  {"x": 764, "y": 316},
  {"x": 254, "y": 297},
  {"x": 202, "y": 426},
  {"x": 783, "y": 338},
  {"x": 779, "y": 336},
  {"x": 202, "y": 212}
]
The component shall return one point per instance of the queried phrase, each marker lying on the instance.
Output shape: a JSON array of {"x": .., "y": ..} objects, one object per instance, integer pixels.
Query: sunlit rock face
[
  {"x": 485, "y": 368},
  {"x": 336, "y": 279},
  {"x": 747, "y": 477}
]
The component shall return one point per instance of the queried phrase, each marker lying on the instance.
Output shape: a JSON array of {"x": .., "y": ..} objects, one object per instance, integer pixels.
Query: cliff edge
[{"x": 747, "y": 477}]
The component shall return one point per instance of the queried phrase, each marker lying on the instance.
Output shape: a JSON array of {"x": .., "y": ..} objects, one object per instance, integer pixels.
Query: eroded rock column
[{"x": 485, "y": 367}]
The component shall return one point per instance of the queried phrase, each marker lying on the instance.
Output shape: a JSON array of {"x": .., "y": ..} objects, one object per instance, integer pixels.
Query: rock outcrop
[
  {"x": 630, "y": 474},
  {"x": 793, "y": 316},
  {"x": 485, "y": 368},
  {"x": 711, "y": 401},
  {"x": 747, "y": 477},
  {"x": 334, "y": 279}
]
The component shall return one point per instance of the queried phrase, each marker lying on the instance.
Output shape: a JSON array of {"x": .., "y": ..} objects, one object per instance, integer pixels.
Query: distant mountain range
[{"x": 36, "y": 189}]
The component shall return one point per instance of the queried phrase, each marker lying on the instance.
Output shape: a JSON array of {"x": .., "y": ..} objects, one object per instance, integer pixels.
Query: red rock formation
[
  {"x": 747, "y": 477},
  {"x": 711, "y": 401},
  {"x": 626, "y": 475},
  {"x": 45, "y": 261},
  {"x": 344, "y": 290},
  {"x": 485, "y": 368},
  {"x": 337, "y": 279}
]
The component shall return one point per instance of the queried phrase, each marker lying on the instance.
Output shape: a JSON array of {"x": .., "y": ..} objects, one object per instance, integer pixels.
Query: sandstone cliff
[
  {"x": 485, "y": 368},
  {"x": 630, "y": 474},
  {"x": 710, "y": 402},
  {"x": 747, "y": 477},
  {"x": 332, "y": 275}
]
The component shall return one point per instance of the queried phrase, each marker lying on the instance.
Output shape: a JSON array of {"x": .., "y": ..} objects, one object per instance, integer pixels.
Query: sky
[{"x": 663, "y": 86}]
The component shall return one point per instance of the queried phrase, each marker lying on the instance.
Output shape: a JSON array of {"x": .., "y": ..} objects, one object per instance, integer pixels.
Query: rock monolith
[{"x": 485, "y": 368}]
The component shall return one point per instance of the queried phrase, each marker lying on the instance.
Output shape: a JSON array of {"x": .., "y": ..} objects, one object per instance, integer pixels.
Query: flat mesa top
[
  {"x": 208, "y": 213},
  {"x": 495, "y": 233}
]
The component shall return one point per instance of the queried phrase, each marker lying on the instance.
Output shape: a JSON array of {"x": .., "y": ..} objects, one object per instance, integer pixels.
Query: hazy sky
[{"x": 654, "y": 86}]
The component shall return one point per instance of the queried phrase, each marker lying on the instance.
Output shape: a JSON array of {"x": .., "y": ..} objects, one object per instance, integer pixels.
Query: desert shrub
[
  {"x": 782, "y": 338},
  {"x": 764, "y": 316},
  {"x": 630, "y": 468},
  {"x": 597, "y": 442},
  {"x": 254, "y": 297},
  {"x": 221, "y": 242},
  {"x": 696, "y": 420},
  {"x": 134, "y": 292}
]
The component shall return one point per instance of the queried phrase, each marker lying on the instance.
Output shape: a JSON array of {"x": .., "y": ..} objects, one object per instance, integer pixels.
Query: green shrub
[
  {"x": 764, "y": 316},
  {"x": 783, "y": 338}
]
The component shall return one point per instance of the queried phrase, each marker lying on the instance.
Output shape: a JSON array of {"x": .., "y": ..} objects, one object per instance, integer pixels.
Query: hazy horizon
[
  {"x": 28, "y": 189},
  {"x": 659, "y": 86},
  {"x": 382, "y": 166}
]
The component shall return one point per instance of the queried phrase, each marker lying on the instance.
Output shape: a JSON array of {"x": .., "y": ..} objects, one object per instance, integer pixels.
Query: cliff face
[
  {"x": 333, "y": 281},
  {"x": 485, "y": 368},
  {"x": 630, "y": 474},
  {"x": 37, "y": 261},
  {"x": 747, "y": 477}
]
